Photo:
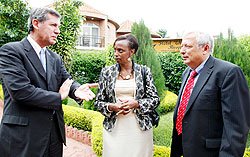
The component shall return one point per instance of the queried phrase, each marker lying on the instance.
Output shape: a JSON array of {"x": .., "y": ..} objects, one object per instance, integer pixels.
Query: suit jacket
[
  {"x": 146, "y": 95},
  {"x": 30, "y": 97},
  {"x": 217, "y": 119}
]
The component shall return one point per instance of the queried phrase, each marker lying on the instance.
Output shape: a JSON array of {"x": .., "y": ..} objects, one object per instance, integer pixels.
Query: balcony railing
[{"x": 91, "y": 41}]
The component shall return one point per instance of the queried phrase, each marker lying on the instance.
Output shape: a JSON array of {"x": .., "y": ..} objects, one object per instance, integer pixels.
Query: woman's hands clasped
[{"x": 123, "y": 106}]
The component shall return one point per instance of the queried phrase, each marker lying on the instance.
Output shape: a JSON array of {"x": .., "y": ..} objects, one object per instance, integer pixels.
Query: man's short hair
[{"x": 41, "y": 15}]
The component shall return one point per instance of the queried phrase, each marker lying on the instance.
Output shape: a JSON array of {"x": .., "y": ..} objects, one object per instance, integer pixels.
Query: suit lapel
[
  {"x": 201, "y": 82},
  {"x": 50, "y": 63},
  {"x": 31, "y": 54},
  {"x": 184, "y": 80}
]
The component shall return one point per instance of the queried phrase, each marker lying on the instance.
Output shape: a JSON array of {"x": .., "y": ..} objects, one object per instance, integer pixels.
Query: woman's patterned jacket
[{"x": 148, "y": 98}]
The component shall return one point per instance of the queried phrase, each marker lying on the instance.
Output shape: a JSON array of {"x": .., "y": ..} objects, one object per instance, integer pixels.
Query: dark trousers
[
  {"x": 55, "y": 146},
  {"x": 176, "y": 147}
]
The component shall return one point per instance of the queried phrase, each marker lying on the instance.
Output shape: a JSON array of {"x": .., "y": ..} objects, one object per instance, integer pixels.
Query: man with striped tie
[{"x": 212, "y": 113}]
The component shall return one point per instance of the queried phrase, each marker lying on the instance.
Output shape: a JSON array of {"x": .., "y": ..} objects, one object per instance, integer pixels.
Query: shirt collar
[
  {"x": 35, "y": 45},
  {"x": 201, "y": 66}
]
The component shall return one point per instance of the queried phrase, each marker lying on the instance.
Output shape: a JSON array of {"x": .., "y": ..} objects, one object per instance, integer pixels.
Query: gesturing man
[{"x": 35, "y": 82}]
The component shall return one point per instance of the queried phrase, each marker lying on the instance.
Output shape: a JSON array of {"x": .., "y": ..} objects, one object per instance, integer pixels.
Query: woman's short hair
[
  {"x": 41, "y": 15},
  {"x": 132, "y": 41}
]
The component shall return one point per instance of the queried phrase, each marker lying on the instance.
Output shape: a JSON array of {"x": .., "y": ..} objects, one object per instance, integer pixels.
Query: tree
[
  {"x": 231, "y": 50},
  {"x": 69, "y": 30},
  {"x": 245, "y": 41},
  {"x": 163, "y": 33},
  {"x": 14, "y": 16},
  {"x": 146, "y": 54}
]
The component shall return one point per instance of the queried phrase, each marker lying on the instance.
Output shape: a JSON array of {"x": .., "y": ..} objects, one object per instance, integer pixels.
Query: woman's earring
[{"x": 129, "y": 59}]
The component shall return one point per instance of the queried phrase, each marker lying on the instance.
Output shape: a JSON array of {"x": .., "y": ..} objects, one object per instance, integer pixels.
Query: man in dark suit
[
  {"x": 212, "y": 113},
  {"x": 35, "y": 82}
]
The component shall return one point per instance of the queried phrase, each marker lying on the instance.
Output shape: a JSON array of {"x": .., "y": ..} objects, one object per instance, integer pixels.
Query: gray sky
[{"x": 213, "y": 16}]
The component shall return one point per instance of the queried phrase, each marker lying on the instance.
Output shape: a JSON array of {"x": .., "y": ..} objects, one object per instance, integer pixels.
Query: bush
[
  {"x": 87, "y": 66},
  {"x": 247, "y": 152},
  {"x": 161, "y": 151},
  {"x": 86, "y": 120},
  {"x": 79, "y": 118},
  {"x": 172, "y": 66},
  {"x": 168, "y": 103},
  {"x": 1, "y": 92}
]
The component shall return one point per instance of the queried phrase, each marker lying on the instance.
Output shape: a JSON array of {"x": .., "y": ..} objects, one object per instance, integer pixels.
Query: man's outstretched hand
[{"x": 84, "y": 92}]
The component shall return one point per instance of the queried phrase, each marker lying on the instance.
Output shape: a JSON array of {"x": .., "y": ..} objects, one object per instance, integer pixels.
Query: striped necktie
[
  {"x": 43, "y": 59},
  {"x": 184, "y": 101}
]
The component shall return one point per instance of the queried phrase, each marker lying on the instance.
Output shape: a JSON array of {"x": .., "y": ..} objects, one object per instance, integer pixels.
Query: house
[{"x": 99, "y": 30}]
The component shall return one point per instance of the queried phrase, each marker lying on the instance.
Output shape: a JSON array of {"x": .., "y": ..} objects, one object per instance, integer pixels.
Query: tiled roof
[
  {"x": 125, "y": 27},
  {"x": 89, "y": 9}
]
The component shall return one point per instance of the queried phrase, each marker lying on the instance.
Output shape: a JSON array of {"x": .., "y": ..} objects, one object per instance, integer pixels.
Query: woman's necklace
[{"x": 126, "y": 77}]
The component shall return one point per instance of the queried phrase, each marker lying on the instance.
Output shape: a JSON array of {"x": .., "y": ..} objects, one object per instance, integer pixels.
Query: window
[{"x": 90, "y": 35}]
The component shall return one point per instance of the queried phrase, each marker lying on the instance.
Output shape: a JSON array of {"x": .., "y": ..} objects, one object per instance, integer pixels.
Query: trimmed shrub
[
  {"x": 247, "y": 152},
  {"x": 161, "y": 151},
  {"x": 96, "y": 136},
  {"x": 1, "y": 92},
  {"x": 168, "y": 103},
  {"x": 172, "y": 66},
  {"x": 87, "y": 66},
  {"x": 79, "y": 118},
  {"x": 86, "y": 120}
]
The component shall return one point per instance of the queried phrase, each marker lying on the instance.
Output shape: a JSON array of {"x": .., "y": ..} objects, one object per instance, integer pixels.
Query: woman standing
[{"x": 127, "y": 97}]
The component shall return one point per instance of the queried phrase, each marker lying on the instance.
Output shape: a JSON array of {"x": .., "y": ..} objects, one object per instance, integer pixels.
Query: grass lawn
[{"x": 163, "y": 133}]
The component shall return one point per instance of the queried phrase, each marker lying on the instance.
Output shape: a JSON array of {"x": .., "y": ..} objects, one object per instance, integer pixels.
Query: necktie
[
  {"x": 184, "y": 101},
  {"x": 43, "y": 59}
]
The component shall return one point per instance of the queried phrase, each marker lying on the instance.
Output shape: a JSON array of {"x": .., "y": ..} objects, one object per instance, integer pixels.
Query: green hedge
[
  {"x": 86, "y": 66},
  {"x": 172, "y": 66},
  {"x": 168, "y": 103},
  {"x": 1, "y": 92}
]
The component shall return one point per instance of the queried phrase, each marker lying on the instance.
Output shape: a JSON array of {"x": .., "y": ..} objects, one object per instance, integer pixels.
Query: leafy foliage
[
  {"x": 172, "y": 66},
  {"x": 69, "y": 30},
  {"x": 230, "y": 50},
  {"x": 163, "y": 33},
  {"x": 245, "y": 41},
  {"x": 13, "y": 17},
  {"x": 168, "y": 103},
  {"x": 87, "y": 66},
  {"x": 109, "y": 55},
  {"x": 146, "y": 54}
]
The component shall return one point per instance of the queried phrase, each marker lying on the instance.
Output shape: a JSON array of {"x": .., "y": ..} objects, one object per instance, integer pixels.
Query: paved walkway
[{"x": 73, "y": 148}]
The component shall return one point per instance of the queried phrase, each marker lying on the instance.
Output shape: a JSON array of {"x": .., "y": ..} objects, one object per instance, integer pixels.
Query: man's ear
[
  {"x": 35, "y": 23},
  {"x": 206, "y": 49}
]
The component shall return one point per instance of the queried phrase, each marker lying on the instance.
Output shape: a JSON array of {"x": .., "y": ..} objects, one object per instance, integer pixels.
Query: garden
[{"x": 85, "y": 67}]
